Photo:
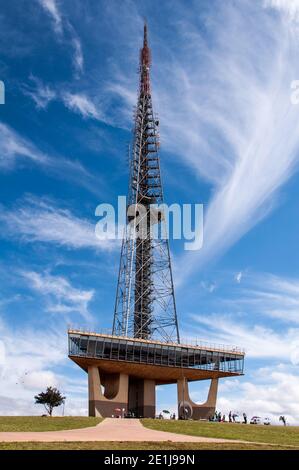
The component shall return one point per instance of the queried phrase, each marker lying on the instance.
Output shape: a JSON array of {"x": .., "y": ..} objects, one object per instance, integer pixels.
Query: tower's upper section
[
  {"x": 145, "y": 62},
  {"x": 145, "y": 304}
]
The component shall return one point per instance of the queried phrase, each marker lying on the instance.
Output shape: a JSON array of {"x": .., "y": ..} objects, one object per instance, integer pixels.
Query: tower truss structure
[{"x": 145, "y": 303}]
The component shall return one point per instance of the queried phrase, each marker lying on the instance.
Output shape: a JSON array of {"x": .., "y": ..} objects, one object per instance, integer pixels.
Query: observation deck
[{"x": 163, "y": 362}]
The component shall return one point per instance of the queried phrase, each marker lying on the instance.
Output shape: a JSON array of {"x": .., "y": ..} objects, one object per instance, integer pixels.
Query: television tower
[
  {"x": 145, "y": 304},
  {"x": 144, "y": 349}
]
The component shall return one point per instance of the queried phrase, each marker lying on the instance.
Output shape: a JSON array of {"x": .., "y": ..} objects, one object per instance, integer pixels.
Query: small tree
[{"x": 50, "y": 399}]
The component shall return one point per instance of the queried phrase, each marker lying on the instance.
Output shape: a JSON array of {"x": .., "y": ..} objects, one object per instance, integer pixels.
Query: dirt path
[{"x": 111, "y": 429}]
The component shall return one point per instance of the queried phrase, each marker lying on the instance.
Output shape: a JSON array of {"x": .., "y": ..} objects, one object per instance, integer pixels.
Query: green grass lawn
[
  {"x": 279, "y": 435},
  {"x": 38, "y": 423},
  {"x": 270, "y": 437},
  {"x": 132, "y": 446}
]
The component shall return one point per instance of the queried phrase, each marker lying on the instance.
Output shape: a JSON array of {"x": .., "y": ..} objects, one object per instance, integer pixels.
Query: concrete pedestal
[
  {"x": 117, "y": 394},
  {"x": 188, "y": 409}
]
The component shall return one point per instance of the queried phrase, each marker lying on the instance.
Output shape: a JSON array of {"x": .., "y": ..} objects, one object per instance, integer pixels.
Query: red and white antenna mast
[{"x": 145, "y": 63}]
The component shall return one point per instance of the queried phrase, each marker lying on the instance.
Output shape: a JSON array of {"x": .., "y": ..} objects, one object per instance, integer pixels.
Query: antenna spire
[
  {"x": 145, "y": 35},
  {"x": 145, "y": 62}
]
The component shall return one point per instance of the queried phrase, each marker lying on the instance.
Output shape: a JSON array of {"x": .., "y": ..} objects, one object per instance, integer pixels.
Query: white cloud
[
  {"x": 208, "y": 286},
  {"x": 78, "y": 55},
  {"x": 269, "y": 391},
  {"x": 13, "y": 146},
  {"x": 39, "y": 380},
  {"x": 81, "y": 104},
  {"x": 273, "y": 392},
  {"x": 41, "y": 94},
  {"x": 226, "y": 112},
  {"x": 15, "y": 150},
  {"x": 288, "y": 7},
  {"x": 46, "y": 347},
  {"x": 2, "y": 356},
  {"x": 40, "y": 220},
  {"x": 65, "y": 31},
  {"x": 64, "y": 297},
  {"x": 259, "y": 341},
  {"x": 262, "y": 295},
  {"x": 51, "y": 7},
  {"x": 26, "y": 407},
  {"x": 248, "y": 108},
  {"x": 28, "y": 366},
  {"x": 29, "y": 353},
  {"x": 271, "y": 295},
  {"x": 238, "y": 277}
]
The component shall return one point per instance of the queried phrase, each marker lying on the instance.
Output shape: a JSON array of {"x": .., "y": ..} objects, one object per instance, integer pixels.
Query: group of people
[
  {"x": 219, "y": 417},
  {"x": 172, "y": 416}
]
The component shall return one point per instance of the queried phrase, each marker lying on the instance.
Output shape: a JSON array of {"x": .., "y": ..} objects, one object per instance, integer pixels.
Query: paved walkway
[{"x": 111, "y": 429}]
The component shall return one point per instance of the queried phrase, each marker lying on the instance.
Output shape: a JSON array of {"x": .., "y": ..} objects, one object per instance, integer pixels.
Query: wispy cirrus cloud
[
  {"x": 259, "y": 341},
  {"x": 15, "y": 150},
  {"x": 241, "y": 314},
  {"x": 233, "y": 123},
  {"x": 62, "y": 296},
  {"x": 78, "y": 58},
  {"x": 270, "y": 295},
  {"x": 13, "y": 147},
  {"x": 78, "y": 102},
  {"x": 40, "y": 93},
  {"x": 82, "y": 104},
  {"x": 242, "y": 130},
  {"x": 52, "y": 9},
  {"x": 36, "y": 220},
  {"x": 65, "y": 31}
]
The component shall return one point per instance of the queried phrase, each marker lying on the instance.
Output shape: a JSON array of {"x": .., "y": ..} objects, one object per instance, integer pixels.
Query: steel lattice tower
[{"x": 145, "y": 304}]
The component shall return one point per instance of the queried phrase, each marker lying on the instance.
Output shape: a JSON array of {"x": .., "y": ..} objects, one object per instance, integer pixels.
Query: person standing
[{"x": 282, "y": 418}]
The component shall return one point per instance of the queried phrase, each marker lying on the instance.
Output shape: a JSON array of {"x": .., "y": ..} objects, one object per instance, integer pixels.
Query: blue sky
[{"x": 221, "y": 80}]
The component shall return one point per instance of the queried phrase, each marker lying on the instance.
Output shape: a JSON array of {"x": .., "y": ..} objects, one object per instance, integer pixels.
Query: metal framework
[{"x": 145, "y": 304}]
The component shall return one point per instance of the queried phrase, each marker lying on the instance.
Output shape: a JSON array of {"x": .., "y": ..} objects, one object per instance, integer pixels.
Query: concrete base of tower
[
  {"x": 142, "y": 397},
  {"x": 118, "y": 394},
  {"x": 108, "y": 393},
  {"x": 188, "y": 409}
]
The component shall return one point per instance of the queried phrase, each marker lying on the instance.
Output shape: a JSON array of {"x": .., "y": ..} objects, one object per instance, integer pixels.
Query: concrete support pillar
[
  {"x": 142, "y": 397},
  {"x": 188, "y": 409},
  {"x": 108, "y": 392},
  {"x": 103, "y": 403},
  {"x": 149, "y": 399},
  {"x": 94, "y": 390}
]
